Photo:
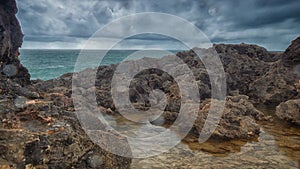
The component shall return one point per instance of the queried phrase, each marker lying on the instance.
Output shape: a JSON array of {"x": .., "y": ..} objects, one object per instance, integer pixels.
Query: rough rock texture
[
  {"x": 291, "y": 55},
  {"x": 247, "y": 73},
  {"x": 39, "y": 123},
  {"x": 11, "y": 39},
  {"x": 289, "y": 111},
  {"x": 253, "y": 51},
  {"x": 238, "y": 119},
  {"x": 39, "y": 129},
  {"x": 38, "y": 133},
  {"x": 280, "y": 83},
  {"x": 242, "y": 66}
]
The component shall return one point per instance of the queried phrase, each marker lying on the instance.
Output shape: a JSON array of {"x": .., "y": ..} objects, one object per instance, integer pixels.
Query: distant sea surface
[{"x": 49, "y": 64}]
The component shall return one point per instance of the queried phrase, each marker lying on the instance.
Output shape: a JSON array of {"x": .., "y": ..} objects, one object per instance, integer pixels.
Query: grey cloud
[{"x": 271, "y": 23}]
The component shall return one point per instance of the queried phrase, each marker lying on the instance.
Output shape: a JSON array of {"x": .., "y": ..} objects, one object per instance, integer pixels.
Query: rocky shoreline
[{"x": 39, "y": 129}]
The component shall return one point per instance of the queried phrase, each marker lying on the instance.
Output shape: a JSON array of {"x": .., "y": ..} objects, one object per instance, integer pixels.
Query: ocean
[{"x": 49, "y": 64}]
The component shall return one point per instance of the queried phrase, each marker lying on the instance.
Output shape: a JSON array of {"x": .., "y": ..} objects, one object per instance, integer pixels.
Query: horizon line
[{"x": 123, "y": 49}]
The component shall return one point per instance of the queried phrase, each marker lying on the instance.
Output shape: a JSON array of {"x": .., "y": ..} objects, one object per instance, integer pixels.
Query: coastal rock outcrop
[
  {"x": 38, "y": 128},
  {"x": 289, "y": 111},
  {"x": 247, "y": 72},
  {"x": 11, "y": 39},
  {"x": 281, "y": 82},
  {"x": 242, "y": 68}
]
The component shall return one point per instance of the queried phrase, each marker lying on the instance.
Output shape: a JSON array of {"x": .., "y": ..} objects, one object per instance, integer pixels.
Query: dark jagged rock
[
  {"x": 291, "y": 56},
  {"x": 247, "y": 73},
  {"x": 45, "y": 133},
  {"x": 252, "y": 51},
  {"x": 289, "y": 111},
  {"x": 11, "y": 39},
  {"x": 242, "y": 68},
  {"x": 280, "y": 83}
]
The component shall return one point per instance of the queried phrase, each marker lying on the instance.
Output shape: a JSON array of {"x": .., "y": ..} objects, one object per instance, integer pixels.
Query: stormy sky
[{"x": 67, "y": 24}]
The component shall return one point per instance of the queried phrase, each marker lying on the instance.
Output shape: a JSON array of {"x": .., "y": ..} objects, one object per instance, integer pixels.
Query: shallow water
[{"x": 277, "y": 146}]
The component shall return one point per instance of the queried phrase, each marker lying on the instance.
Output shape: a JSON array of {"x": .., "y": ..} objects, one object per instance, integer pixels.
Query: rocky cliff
[{"x": 11, "y": 39}]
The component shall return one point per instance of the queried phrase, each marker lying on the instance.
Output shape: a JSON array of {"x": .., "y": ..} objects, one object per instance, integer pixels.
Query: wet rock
[{"x": 289, "y": 111}]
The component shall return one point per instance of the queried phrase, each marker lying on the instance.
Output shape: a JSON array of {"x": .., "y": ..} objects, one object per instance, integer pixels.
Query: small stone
[{"x": 20, "y": 102}]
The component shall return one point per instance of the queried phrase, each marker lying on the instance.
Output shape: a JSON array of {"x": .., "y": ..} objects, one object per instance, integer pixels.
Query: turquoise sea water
[{"x": 49, "y": 64}]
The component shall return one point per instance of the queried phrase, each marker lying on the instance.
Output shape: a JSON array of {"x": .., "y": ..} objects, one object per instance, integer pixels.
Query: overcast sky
[{"x": 67, "y": 24}]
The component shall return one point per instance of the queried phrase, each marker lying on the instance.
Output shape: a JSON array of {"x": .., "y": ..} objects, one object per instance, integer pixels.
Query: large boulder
[
  {"x": 289, "y": 111},
  {"x": 242, "y": 64},
  {"x": 281, "y": 81}
]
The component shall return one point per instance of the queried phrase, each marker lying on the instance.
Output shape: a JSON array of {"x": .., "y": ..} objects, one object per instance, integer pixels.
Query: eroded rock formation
[
  {"x": 11, "y": 39},
  {"x": 39, "y": 129}
]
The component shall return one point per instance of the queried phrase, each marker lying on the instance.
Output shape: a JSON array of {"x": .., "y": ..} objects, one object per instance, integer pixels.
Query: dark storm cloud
[
  {"x": 271, "y": 23},
  {"x": 258, "y": 13}
]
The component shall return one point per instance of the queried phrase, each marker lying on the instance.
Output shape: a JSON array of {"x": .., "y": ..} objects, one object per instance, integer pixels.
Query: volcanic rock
[{"x": 11, "y": 39}]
